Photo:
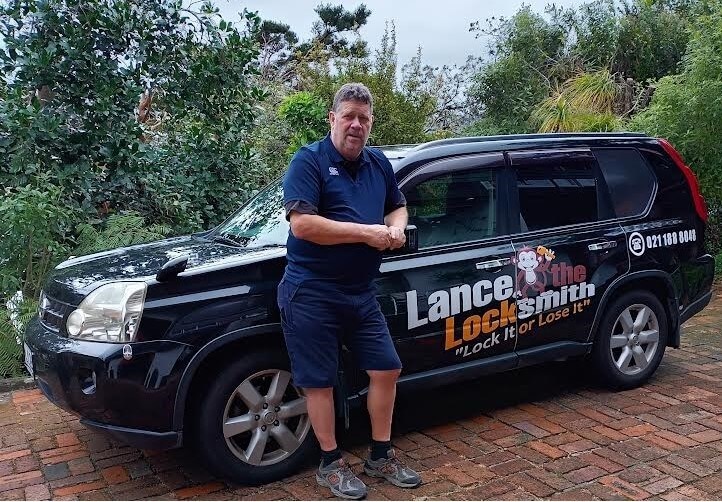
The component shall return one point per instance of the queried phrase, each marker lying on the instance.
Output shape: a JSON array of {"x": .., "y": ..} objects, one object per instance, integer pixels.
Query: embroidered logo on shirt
[{"x": 333, "y": 171}]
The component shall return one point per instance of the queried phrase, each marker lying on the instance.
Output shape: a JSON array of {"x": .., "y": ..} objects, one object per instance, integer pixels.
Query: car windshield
[{"x": 259, "y": 222}]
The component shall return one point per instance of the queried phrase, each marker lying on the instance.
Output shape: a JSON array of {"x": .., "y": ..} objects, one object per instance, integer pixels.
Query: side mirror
[{"x": 172, "y": 268}]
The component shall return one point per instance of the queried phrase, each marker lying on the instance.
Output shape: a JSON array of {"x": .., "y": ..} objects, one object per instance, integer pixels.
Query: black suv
[{"x": 520, "y": 249}]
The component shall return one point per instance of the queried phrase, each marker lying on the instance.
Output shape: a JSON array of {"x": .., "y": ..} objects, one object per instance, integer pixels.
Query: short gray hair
[{"x": 353, "y": 91}]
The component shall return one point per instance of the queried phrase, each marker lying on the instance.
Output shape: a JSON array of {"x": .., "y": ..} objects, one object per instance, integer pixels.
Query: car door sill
[
  {"x": 472, "y": 370},
  {"x": 552, "y": 351},
  {"x": 469, "y": 370}
]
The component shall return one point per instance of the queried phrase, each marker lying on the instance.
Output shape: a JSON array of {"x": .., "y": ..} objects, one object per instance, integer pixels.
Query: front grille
[{"x": 53, "y": 313}]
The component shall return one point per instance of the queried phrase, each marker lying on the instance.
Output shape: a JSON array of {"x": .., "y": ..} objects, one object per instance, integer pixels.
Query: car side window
[
  {"x": 453, "y": 207},
  {"x": 557, "y": 192},
  {"x": 631, "y": 183}
]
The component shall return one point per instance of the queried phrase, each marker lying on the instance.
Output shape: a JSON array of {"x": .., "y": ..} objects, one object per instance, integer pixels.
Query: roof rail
[{"x": 508, "y": 137}]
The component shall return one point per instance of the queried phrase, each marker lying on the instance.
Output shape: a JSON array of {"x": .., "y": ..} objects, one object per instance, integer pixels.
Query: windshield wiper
[{"x": 230, "y": 239}]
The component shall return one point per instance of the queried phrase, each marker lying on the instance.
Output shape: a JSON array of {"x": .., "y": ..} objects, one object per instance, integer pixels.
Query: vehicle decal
[
  {"x": 639, "y": 243},
  {"x": 533, "y": 267},
  {"x": 536, "y": 289}
]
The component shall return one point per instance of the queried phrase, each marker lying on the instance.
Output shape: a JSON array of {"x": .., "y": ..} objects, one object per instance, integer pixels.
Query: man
[{"x": 345, "y": 208}]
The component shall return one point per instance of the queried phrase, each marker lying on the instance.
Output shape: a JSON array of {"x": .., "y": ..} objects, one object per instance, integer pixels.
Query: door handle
[
  {"x": 598, "y": 246},
  {"x": 493, "y": 264}
]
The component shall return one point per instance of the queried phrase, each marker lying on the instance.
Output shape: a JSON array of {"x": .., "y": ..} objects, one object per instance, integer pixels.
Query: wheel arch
[
  {"x": 657, "y": 282},
  {"x": 218, "y": 352}
]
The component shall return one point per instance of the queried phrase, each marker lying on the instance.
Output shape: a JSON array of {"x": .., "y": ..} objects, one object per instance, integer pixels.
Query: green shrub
[
  {"x": 306, "y": 114},
  {"x": 35, "y": 233},
  {"x": 118, "y": 230},
  {"x": 11, "y": 337}
]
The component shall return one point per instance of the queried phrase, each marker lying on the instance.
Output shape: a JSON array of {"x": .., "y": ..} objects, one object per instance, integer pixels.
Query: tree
[
  {"x": 277, "y": 42},
  {"x": 401, "y": 110},
  {"x": 286, "y": 60},
  {"x": 687, "y": 107},
  {"x": 306, "y": 115},
  {"x": 75, "y": 72},
  {"x": 335, "y": 21},
  {"x": 527, "y": 53},
  {"x": 652, "y": 40}
]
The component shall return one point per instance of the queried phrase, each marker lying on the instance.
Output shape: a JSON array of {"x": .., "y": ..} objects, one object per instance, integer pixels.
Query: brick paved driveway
[{"x": 544, "y": 432}]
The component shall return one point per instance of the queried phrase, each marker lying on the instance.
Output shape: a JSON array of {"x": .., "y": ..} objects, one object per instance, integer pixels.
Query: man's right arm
[
  {"x": 302, "y": 194},
  {"x": 320, "y": 230}
]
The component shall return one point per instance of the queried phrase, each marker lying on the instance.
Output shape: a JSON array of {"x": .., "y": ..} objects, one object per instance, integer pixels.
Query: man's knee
[
  {"x": 384, "y": 376},
  {"x": 318, "y": 393}
]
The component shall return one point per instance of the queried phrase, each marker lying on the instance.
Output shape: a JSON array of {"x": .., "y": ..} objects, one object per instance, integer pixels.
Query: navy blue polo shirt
[{"x": 317, "y": 178}]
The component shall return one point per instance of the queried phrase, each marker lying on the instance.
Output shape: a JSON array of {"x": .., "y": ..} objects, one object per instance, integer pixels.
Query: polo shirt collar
[{"x": 336, "y": 157}]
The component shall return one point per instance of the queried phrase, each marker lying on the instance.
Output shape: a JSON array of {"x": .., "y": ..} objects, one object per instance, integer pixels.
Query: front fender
[{"x": 205, "y": 351}]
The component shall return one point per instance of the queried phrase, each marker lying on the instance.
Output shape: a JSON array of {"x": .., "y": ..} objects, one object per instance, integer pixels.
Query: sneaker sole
[
  {"x": 324, "y": 483},
  {"x": 393, "y": 481}
]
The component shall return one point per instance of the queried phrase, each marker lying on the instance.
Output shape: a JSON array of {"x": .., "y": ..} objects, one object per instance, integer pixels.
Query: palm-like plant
[
  {"x": 596, "y": 91},
  {"x": 554, "y": 114},
  {"x": 584, "y": 103}
]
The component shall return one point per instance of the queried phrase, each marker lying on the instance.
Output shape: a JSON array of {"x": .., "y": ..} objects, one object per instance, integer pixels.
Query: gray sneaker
[
  {"x": 343, "y": 483},
  {"x": 393, "y": 470}
]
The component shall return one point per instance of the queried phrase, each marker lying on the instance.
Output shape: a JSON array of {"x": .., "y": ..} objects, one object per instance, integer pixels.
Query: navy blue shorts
[{"x": 314, "y": 318}]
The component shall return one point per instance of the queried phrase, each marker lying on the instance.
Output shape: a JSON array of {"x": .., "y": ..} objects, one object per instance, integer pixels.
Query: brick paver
[{"x": 545, "y": 432}]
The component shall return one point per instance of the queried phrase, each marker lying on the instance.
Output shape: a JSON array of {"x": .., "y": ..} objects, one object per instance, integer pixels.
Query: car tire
[
  {"x": 252, "y": 426},
  {"x": 631, "y": 340}
]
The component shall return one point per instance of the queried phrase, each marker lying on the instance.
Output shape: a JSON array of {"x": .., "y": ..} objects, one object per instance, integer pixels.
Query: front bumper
[{"x": 130, "y": 398}]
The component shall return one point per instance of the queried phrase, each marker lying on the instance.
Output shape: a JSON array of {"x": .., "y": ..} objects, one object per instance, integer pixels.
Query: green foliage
[
  {"x": 334, "y": 21},
  {"x": 11, "y": 351},
  {"x": 687, "y": 110},
  {"x": 118, "y": 230},
  {"x": 35, "y": 233},
  {"x": 271, "y": 137},
  {"x": 532, "y": 56},
  {"x": 11, "y": 336},
  {"x": 401, "y": 109},
  {"x": 651, "y": 42},
  {"x": 306, "y": 115},
  {"x": 111, "y": 106},
  {"x": 584, "y": 104},
  {"x": 638, "y": 39},
  {"x": 527, "y": 51},
  {"x": 75, "y": 72}
]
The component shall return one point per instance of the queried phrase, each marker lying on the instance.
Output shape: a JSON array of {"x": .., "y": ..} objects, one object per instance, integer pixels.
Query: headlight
[{"x": 111, "y": 313}]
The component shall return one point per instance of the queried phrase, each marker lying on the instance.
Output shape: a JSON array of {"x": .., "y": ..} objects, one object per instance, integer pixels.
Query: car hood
[{"x": 81, "y": 275}]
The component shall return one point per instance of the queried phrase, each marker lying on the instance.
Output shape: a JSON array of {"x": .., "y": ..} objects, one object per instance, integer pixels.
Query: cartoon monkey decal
[{"x": 533, "y": 266}]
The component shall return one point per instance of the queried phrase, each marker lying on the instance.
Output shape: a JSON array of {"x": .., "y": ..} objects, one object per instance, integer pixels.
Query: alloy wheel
[
  {"x": 265, "y": 419},
  {"x": 634, "y": 339}
]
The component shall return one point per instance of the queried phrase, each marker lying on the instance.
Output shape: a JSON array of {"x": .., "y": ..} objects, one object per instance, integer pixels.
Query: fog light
[{"x": 75, "y": 322}]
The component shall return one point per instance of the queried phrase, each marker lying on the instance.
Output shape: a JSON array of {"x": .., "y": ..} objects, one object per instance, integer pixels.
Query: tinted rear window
[{"x": 631, "y": 183}]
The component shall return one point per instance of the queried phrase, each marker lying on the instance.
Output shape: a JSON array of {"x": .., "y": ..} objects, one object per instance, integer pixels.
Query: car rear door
[{"x": 569, "y": 249}]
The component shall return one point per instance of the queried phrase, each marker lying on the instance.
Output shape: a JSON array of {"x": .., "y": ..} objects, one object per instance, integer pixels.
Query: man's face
[{"x": 350, "y": 128}]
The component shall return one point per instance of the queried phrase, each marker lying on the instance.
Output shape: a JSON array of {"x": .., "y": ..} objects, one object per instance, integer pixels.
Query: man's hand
[
  {"x": 398, "y": 238},
  {"x": 378, "y": 236}
]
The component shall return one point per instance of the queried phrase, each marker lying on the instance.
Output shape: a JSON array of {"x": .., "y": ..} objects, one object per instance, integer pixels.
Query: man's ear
[{"x": 331, "y": 117}]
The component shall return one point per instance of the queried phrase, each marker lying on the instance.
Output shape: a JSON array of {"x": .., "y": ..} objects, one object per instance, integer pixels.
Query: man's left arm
[
  {"x": 396, "y": 220},
  {"x": 396, "y": 217}
]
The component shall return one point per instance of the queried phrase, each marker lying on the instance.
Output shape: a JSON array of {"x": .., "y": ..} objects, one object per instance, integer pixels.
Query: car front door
[
  {"x": 451, "y": 302},
  {"x": 569, "y": 248}
]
